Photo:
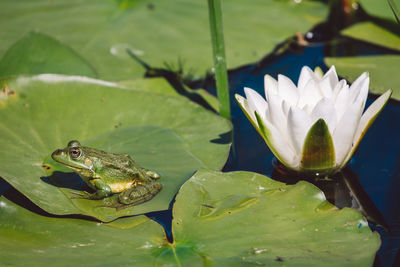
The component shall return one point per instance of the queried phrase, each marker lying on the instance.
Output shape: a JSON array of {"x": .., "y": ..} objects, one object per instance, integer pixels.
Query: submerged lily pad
[
  {"x": 157, "y": 31},
  {"x": 383, "y": 71},
  {"x": 167, "y": 134},
  {"x": 246, "y": 219},
  {"x": 28, "y": 238}
]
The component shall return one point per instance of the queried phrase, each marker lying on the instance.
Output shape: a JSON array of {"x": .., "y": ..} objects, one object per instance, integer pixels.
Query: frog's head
[{"x": 74, "y": 157}]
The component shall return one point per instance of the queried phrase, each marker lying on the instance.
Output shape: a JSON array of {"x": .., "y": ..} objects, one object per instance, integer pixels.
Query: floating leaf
[
  {"x": 372, "y": 33},
  {"x": 395, "y": 10},
  {"x": 163, "y": 87},
  {"x": 157, "y": 31},
  {"x": 379, "y": 9},
  {"x": 37, "y": 53},
  {"x": 243, "y": 218},
  {"x": 220, "y": 219},
  {"x": 169, "y": 135},
  {"x": 383, "y": 71},
  {"x": 28, "y": 238}
]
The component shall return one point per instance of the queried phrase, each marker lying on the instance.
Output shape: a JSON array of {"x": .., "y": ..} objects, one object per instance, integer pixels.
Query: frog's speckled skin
[{"x": 109, "y": 174}]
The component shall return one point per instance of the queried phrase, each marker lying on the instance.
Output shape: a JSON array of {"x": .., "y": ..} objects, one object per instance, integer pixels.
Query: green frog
[{"x": 109, "y": 174}]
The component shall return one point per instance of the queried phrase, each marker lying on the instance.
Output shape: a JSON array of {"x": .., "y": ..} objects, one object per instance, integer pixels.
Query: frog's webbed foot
[
  {"x": 152, "y": 174},
  {"x": 80, "y": 195},
  {"x": 86, "y": 195},
  {"x": 117, "y": 206}
]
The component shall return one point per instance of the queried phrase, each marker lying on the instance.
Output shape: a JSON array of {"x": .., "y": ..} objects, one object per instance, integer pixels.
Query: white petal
[
  {"x": 270, "y": 86},
  {"x": 305, "y": 75},
  {"x": 361, "y": 88},
  {"x": 310, "y": 96},
  {"x": 279, "y": 146},
  {"x": 339, "y": 87},
  {"x": 271, "y": 135},
  {"x": 256, "y": 102},
  {"x": 285, "y": 107},
  {"x": 367, "y": 119},
  {"x": 246, "y": 108},
  {"x": 325, "y": 88},
  {"x": 276, "y": 115},
  {"x": 325, "y": 110},
  {"x": 287, "y": 89},
  {"x": 363, "y": 94},
  {"x": 308, "y": 109},
  {"x": 356, "y": 85},
  {"x": 330, "y": 80},
  {"x": 342, "y": 102},
  {"x": 363, "y": 76},
  {"x": 298, "y": 124},
  {"x": 345, "y": 131}
]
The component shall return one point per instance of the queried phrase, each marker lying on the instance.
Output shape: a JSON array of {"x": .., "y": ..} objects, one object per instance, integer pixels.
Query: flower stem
[{"x": 221, "y": 74}]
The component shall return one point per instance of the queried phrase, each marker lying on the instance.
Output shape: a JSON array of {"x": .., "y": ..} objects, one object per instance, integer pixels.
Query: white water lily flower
[{"x": 315, "y": 126}]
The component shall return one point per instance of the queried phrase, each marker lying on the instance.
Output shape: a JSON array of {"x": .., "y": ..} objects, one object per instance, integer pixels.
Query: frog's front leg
[
  {"x": 139, "y": 194},
  {"x": 102, "y": 190}
]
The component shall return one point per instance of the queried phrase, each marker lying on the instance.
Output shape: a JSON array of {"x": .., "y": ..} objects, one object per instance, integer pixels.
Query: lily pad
[
  {"x": 28, "y": 238},
  {"x": 383, "y": 71},
  {"x": 379, "y": 9},
  {"x": 246, "y": 219},
  {"x": 163, "y": 87},
  {"x": 168, "y": 134},
  {"x": 157, "y": 31},
  {"x": 37, "y": 53},
  {"x": 372, "y": 33},
  {"x": 220, "y": 219}
]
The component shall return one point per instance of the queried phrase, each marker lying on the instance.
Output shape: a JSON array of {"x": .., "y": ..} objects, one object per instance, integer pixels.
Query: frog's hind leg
[{"x": 139, "y": 194}]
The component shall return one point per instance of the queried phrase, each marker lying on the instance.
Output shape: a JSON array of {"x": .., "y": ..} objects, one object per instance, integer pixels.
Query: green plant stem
[{"x": 221, "y": 74}]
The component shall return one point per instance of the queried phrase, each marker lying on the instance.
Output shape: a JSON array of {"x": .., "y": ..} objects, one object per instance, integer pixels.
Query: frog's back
[{"x": 119, "y": 171}]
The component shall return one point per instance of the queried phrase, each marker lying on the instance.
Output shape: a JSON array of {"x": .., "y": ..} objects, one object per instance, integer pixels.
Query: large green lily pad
[
  {"x": 379, "y": 9},
  {"x": 383, "y": 70},
  {"x": 246, "y": 219},
  {"x": 157, "y": 31},
  {"x": 37, "y": 53},
  {"x": 42, "y": 113},
  {"x": 372, "y": 33},
  {"x": 163, "y": 87},
  {"x": 30, "y": 239},
  {"x": 220, "y": 219}
]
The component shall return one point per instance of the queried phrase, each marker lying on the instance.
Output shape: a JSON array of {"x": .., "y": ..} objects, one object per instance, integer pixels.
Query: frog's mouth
[{"x": 61, "y": 157}]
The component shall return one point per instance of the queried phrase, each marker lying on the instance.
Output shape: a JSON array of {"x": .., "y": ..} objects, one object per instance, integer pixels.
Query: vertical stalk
[{"x": 217, "y": 39}]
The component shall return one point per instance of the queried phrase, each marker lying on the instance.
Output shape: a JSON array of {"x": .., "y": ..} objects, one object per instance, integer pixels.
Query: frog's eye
[
  {"x": 75, "y": 153},
  {"x": 73, "y": 143}
]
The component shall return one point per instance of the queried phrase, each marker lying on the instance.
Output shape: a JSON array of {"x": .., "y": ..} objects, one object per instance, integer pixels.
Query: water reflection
[{"x": 343, "y": 189}]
